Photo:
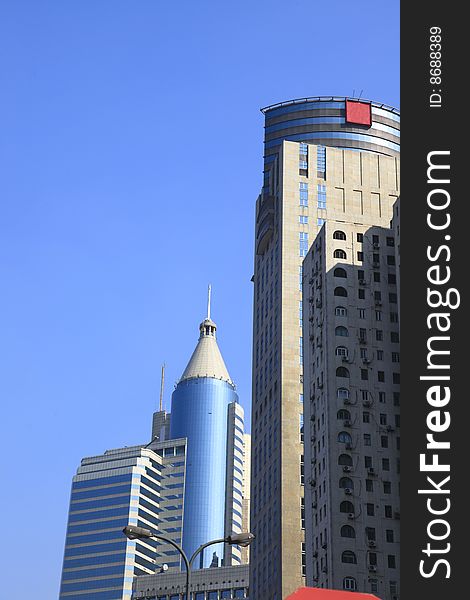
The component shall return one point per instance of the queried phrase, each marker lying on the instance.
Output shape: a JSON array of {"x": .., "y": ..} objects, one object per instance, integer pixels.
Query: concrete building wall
[{"x": 351, "y": 409}]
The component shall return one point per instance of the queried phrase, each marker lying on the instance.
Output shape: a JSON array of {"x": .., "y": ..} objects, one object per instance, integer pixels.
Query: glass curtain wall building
[
  {"x": 110, "y": 491},
  {"x": 324, "y": 157},
  {"x": 205, "y": 411}
]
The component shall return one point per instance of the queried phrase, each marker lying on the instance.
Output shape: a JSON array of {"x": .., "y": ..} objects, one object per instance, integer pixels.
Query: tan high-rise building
[{"x": 325, "y": 159}]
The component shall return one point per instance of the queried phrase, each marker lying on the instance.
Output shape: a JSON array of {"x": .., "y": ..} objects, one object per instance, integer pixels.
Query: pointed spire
[
  {"x": 206, "y": 360},
  {"x": 209, "y": 301}
]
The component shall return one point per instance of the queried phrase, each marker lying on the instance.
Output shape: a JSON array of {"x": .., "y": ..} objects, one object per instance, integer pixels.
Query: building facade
[
  {"x": 352, "y": 409},
  {"x": 110, "y": 491},
  {"x": 206, "y": 584},
  {"x": 324, "y": 158}
]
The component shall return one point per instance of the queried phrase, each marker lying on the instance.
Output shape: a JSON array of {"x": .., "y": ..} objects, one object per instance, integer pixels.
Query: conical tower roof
[{"x": 206, "y": 360}]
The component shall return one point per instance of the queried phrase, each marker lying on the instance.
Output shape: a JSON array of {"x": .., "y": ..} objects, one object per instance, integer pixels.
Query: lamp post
[{"x": 140, "y": 533}]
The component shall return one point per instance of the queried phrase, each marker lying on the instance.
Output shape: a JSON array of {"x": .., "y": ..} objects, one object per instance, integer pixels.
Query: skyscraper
[
  {"x": 325, "y": 157},
  {"x": 205, "y": 411},
  {"x": 110, "y": 491}
]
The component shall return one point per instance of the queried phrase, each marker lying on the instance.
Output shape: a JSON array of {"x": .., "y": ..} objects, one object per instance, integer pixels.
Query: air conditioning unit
[
  {"x": 362, "y": 340},
  {"x": 324, "y": 545},
  {"x": 376, "y": 265},
  {"x": 372, "y": 568},
  {"x": 351, "y": 516},
  {"x": 347, "y": 423},
  {"x": 390, "y": 428},
  {"x": 371, "y": 543},
  {"x": 347, "y": 469},
  {"x": 362, "y": 282},
  {"x": 348, "y": 446},
  {"x": 348, "y": 491},
  {"x": 378, "y": 303},
  {"x": 396, "y": 515},
  {"x": 313, "y": 438},
  {"x": 376, "y": 245},
  {"x": 347, "y": 401},
  {"x": 345, "y": 359},
  {"x": 366, "y": 361},
  {"x": 367, "y": 403},
  {"x": 324, "y": 570},
  {"x": 371, "y": 471},
  {"x": 318, "y": 303},
  {"x": 320, "y": 385},
  {"x": 313, "y": 482},
  {"x": 315, "y": 554}
]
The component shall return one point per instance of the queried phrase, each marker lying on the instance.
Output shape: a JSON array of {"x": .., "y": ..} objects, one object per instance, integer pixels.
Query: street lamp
[{"x": 133, "y": 532}]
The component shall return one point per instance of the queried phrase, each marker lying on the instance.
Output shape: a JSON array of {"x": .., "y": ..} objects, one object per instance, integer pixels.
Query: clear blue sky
[{"x": 131, "y": 158}]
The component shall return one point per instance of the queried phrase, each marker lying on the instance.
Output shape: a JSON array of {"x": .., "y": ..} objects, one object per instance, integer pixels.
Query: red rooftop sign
[
  {"x": 324, "y": 594},
  {"x": 358, "y": 113}
]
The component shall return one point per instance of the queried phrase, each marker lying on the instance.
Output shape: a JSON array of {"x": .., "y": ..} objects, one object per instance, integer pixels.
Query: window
[
  {"x": 369, "y": 485},
  {"x": 360, "y": 256},
  {"x": 392, "y": 278},
  {"x": 388, "y": 511},
  {"x": 345, "y": 460},
  {"x": 367, "y": 461},
  {"x": 367, "y": 439},
  {"x": 340, "y": 311},
  {"x": 300, "y": 313},
  {"x": 303, "y": 219},
  {"x": 344, "y": 437},
  {"x": 391, "y": 259},
  {"x": 364, "y": 374},
  {"x": 303, "y": 166},
  {"x": 342, "y": 372},
  {"x": 378, "y": 315},
  {"x": 347, "y": 531},
  {"x": 390, "y": 241},
  {"x": 360, "y": 237},
  {"x": 396, "y": 378},
  {"x": 376, "y": 277},
  {"x": 363, "y": 334},
  {"x": 303, "y": 193},
  {"x": 303, "y": 148},
  {"x": 342, "y": 331},
  {"x": 393, "y": 317},
  {"x": 370, "y": 533},
  {"x": 387, "y": 487},
  {"x": 321, "y": 161},
  {"x": 379, "y": 335},
  {"x": 364, "y": 353},
  {"x": 346, "y": 507},
  {"x": 381, "y": 376},
  {"x": 396, "y": 398},
  {"x": 321, "y": 189},
  {"x": 340, "y": 272},
  {"x": 362, "y": 313},
  {"x": 343, "y": 414},
  {"x": 339, "y": 235},
  {"x": 349, "y": 583},
  {"x": 374, "y": 585},
  {"x": 361, "y": 294},
  {"x": 380, "y": 354},
  {"x": 383, "y": 419},
  {"x": 391, "y": 561},
  {"x": 346, "y": 482},
  {"x": 342, "y": 393},
  {"x": 349, "y": 557},
  {"x": 382, "y": 397},
  {"x": 303, "y": 243},
  {"x": 392, "y": 298},
  {"x": 373, "y": 558},
  {"x": 341, "y": 351},
  {"x": 370, "y": 509},
  {"x": 389, "y": 535},
  {"x": 366, "y": 417},
  {"x": 301, "y": 427},
  {"x": 394, "y": 337},
  {"x": 340, "y": 254},
  {"x": 384, "y": 441},
  {"x": 320, "y": 221},
  {"x": 386, "y": 464},
  {"x": 375, "y": 239}
]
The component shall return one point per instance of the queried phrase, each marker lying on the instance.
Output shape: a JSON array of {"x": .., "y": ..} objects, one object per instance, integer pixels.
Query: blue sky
[{"x": 131, "y": 158}]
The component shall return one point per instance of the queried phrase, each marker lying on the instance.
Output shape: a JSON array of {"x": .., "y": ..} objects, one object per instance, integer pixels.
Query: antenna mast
[{"x": 162, "y": 384}]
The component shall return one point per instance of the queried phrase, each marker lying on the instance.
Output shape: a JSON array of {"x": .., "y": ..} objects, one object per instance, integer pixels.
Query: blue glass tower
[{"x": 200, "y": 413}]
